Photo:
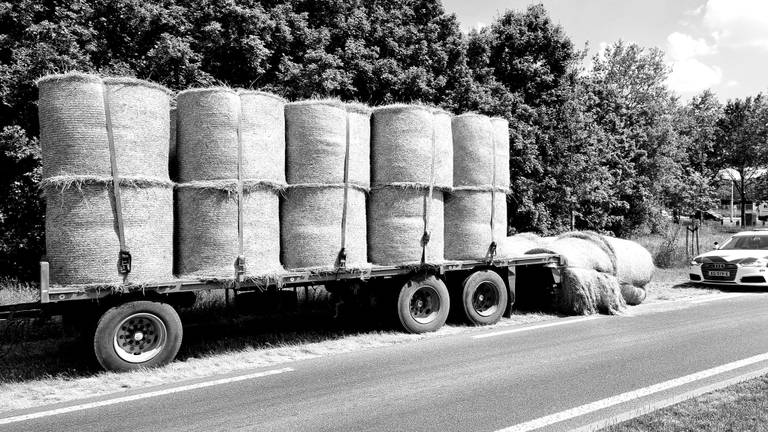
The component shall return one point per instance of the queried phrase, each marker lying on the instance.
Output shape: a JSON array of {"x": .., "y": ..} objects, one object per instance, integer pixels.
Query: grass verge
[{"x": 742, "y": 407}]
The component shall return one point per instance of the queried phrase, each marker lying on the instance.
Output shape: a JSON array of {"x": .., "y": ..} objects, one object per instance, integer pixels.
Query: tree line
[{"x": 602, "y": 144}]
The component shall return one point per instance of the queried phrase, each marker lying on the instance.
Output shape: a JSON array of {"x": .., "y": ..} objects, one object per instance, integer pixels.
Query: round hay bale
[
  {"x": 73, "y": 132},
  {"x": 207, "y": 238},
  {"x": 634, "y": 264},
  {"x": 519, "y": 244},
  {"x": 468, "y": 233},
  {"x": 262, "y": 130},
  {"x": 401, "y": 146},
  {"x": 172, "y": 162},
  {"x": 81, "y": 233},
  {"x": 396, "y": 226},
  {"x": 207, "y": 135},
  {"x": 311, "y": 225},
  {"x": 475, "y": 141},
  {"x": 581, "y": 252},
  {"x": 501, "y": 133},
  {"x": 632, "y": 295},
  {"x": 316, "y": 132}
]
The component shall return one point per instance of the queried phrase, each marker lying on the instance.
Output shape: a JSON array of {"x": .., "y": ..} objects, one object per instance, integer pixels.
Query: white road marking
[
  {"x": 536, "y": 327},
  {"x": 85, "y": 406},
  {"x": 632, "y": 395},
  {"x": 645, "y": 409}
]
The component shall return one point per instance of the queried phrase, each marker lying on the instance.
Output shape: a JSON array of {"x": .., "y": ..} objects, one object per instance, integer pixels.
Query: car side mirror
[{"x": 717, "y": 245}]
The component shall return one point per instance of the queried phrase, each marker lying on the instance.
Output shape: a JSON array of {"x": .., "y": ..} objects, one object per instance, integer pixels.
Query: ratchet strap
[
  {"x": 428, "y": 198},
  {"x": 492, "y": 247},
  {"x": 124, "y": 256},
  {"x": 341, "y": 261},
  {"x": 240, "y": 261}
]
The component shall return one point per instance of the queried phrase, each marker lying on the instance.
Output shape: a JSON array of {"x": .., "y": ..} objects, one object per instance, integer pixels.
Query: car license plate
[{"x": 719, "y": 273}]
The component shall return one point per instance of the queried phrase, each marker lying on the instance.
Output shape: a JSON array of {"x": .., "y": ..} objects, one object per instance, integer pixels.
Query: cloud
[
  {"x": 691, "y": 76},
  {"x": 738, "y": 23},
  {"x": 683, "y": 47}
]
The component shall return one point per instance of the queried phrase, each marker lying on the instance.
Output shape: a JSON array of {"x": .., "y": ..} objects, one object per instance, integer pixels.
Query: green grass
[
  {"x": 12, "y": 291},
  {"x": 669, "y": 248},
  {"x": 742, "y": 407}
]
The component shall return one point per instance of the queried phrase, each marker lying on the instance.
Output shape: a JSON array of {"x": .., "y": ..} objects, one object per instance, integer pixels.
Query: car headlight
[
  {"x": 759, "y": 262},
  {"x": 696, "y": 261}
]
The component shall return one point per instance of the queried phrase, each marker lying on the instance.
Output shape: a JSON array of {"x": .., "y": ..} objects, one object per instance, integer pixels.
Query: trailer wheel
[
  {"x": 137, "y": 334},
  {"x": 483, "y": 297},
  {"x": 423, "y": 304}
]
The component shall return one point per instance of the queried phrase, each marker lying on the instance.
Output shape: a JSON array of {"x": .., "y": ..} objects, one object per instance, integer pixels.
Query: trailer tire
[
  {"x": 423, "y": 304},
  {"x": 137, "y": 334},
  {"x": 484, "y": 297}
]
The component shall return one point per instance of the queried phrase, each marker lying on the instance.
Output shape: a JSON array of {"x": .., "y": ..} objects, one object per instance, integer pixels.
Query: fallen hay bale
[
  {"x": 518, "y": 245},
  {"x": 207, "y": 229},
  {"x": 73, "y": 132},
  {"x": 402, "y": 146},
  {"x": 582, "y": 250},
  {"x": 585, "y": 292},
  {"x": 634, "y": 264},
  {"x": 316, "y": 133},
  {"x": 475, "y": 140},
  {"x": 209, "y": 121},
  {"x": 468, "y": 232},
  {"x": 81, "y": 237},
  {"x": 311, "y": 227},
  {"x": 396, "y": 226}
]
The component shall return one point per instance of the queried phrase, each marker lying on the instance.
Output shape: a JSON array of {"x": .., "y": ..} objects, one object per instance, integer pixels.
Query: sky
[{"x": 720, "y": 45}]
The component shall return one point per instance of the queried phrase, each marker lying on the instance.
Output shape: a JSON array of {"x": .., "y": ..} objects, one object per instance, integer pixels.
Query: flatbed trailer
[{"x": 136, "y": 326}]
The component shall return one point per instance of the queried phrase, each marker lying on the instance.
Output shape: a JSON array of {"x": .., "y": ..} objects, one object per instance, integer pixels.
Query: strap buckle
[
  {"x": 492, "y": 251},
  {"x": 425, "y": 238},
  {"x": 124, "y": 262},
  {"x": 341, "y": 260},
  {"x": 239, "y": 268}
]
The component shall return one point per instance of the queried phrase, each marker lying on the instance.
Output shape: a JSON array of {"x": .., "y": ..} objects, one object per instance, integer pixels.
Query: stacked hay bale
[
  {"x": 476, "y": 209},
  {"x": 412, "y": 164},
  {"x": 105, "y": 177},
  {"x": 231, "y": 158},
  {"x": 323, "y": 221}
]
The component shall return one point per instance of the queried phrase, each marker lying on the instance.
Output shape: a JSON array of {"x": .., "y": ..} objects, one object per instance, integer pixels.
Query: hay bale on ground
[
  {"x": 316, "y": 133},
  {"x": 73, "y": 135},
  {"x": 396, "y": 225},
  {"x": 207, "y": 232},
  {"x": 81, "y": 237},
  {"x": 585, "y": 292},
  {"x": 634, "y": 264},
  {"x": 311, "y": 227},
  {"x": 468, "y": 233},
  {"x": 207, "y": 135},
  {"x": 475, "y": 139},
  {"x": 634, "y": 268},
  {"x": 402, "y": 143}
]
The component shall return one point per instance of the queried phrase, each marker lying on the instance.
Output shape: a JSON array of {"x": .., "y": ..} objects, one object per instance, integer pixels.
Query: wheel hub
[
  {"x": 139, "y": 338},
  {"x": 485, "y": 299},
  {"x": 425, "y": 304}
]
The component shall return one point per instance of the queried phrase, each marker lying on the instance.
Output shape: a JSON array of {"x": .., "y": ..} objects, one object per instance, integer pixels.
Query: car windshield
[{"x": 746, "y": 242}]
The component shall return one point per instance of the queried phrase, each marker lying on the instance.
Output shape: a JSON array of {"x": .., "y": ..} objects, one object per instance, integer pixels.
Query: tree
[{"x": 741, "y": 144}]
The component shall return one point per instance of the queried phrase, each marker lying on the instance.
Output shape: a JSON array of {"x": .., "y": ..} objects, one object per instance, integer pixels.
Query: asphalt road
[{"x": 560, "y": 377}]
